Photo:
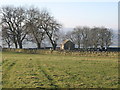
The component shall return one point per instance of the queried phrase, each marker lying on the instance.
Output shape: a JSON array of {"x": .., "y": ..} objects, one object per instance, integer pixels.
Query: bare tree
[
  {"x": 6, "y": 20},
  {"x": 94, "y": 37},
  {"x": 15, "y": 19},
  {"x": 105, "y": 37},
  {"x": 50, "y": 26},
  {"x": 77, "y": 34},
  {"x": 6, "y": 37},
  {"x": 36, "y": 33},
  {"x": 69, "y": 35},
  {"x": 85, "y": 37},
  {"x": 108, "y": 38}
]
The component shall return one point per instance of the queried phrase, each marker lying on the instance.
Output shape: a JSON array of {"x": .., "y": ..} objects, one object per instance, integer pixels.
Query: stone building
[{"x": 67, "y": 45}]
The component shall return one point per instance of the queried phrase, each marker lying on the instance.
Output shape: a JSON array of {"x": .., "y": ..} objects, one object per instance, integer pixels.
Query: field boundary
[{"x": 65, "y": 52}]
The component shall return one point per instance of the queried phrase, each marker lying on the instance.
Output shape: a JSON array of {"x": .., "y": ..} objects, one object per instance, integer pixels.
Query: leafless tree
[
  {"x": 77, "y": 35},
  {"x": 108, "y": 38},
  {"x": 37, "y": 25},
  {"x": 105, "y": 37},
  {"x": 94, "y": 37},
  {"x": 15, "y": 18},
  {"x": 6, "y": 37},
  {"x": 86, "y": 37},
  {"x": 68, "y": 35},
  {"x": 36, "y": 33},
  {"x": 50, "y": 26}
]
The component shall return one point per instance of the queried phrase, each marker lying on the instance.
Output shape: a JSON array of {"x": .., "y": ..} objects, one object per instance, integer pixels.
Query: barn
[{"x": 67, "y": 45}]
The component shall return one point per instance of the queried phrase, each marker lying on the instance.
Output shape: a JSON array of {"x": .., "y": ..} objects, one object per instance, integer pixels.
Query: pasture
[{"x": 22, "y": 70}]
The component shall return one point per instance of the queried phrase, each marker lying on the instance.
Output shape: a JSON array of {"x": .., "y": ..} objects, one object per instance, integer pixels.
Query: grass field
[
  {"x": 0, "y": 70},
  {"x": 58, "y": 71}
]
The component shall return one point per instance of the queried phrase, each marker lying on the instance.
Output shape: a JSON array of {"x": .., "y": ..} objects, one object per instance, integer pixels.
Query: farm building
[{"x": 67, "y": 45}]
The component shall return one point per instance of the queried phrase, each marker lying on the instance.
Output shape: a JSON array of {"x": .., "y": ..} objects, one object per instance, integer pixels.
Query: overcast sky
[{"x": 72, "y": 13}]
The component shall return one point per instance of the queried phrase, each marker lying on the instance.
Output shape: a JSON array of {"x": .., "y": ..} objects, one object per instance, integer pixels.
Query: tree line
[
  {"x": 86, "y": 37},
  {"x": 20, "y": 24}
]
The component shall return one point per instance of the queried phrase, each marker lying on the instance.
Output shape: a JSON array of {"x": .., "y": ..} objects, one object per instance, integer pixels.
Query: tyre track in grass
[
  {"x": 5, "y": 74},
  {"x": 50, "y": 79},
  {"x": 9, "y": 66},
  {"x": 38, "y": 73}
]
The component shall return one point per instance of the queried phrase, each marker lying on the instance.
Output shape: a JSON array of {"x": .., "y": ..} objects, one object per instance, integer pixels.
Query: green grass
[
  {"x": 58, "y": 71},
  {"x": 0, "y": 70}
]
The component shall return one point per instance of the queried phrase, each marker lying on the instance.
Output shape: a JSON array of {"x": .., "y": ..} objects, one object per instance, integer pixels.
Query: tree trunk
[
  {"x": 15, "y": 45},
  {"x": 78, "y": 42},
  {"x": 52, "y": 41},
  {"x": 15, "y": 42},
  {"x": 20, "y": 45},
  {"x": 54, "y": 46},
  {"x": 78, "y": 45},
  {"x": 8, "y": 45},
  {"x": 38, "y": 45}
]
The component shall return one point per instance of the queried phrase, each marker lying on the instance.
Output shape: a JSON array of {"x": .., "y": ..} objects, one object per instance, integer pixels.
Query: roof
[{"x": 65, "y": 41}]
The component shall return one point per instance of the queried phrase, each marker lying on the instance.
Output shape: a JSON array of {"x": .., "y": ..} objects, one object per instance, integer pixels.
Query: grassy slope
[{"x": 49, "y": 71}]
